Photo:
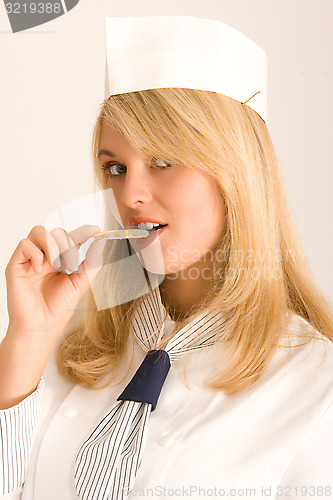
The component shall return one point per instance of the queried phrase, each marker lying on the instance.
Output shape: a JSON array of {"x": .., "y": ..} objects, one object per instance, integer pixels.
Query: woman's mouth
[{"x": 154, "y": 230}]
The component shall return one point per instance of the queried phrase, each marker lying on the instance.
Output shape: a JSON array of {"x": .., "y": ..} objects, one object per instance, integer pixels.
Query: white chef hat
[{"x": 186, "y": 52}]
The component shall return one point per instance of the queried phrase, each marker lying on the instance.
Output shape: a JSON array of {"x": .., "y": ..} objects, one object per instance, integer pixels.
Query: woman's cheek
[
  {"x": 178, "y": 258},
  {"x": 172, "y": 259}
]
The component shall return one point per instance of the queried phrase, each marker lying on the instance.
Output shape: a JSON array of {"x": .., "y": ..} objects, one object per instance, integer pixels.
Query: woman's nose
[{"x": 137, "y": 185}]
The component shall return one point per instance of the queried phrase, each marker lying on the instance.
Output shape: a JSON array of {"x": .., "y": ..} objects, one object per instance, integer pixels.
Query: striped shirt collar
[{"x": 202, "y": 330}]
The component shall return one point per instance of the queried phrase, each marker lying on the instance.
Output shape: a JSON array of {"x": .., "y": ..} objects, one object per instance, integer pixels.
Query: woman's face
[{"x": 180, "y": 196}]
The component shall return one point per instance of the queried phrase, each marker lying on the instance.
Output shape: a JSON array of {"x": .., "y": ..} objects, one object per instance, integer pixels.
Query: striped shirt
[
  {"x": 18, "y": 426},
  {"x": 277, "y": 434}
]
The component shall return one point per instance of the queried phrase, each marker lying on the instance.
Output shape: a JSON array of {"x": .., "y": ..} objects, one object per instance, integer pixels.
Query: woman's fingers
[
  {"x": 94, "y": 256},
  {"x": 89, "y": 267},
  {"x": 61, "y": 247},
  {"x": 47, "y": 244},
  {"x": 69, "y": 243},
  {"x": 67, "y": 249},
  {"x": 81, "y": 234},
  {"x": 27, "y": 251}
]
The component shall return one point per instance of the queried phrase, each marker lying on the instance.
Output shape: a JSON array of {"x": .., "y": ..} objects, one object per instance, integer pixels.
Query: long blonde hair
[{"x": 263, "y": 272}]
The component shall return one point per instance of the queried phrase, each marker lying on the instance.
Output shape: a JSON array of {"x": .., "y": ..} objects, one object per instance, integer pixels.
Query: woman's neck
[{"x": 180, "y": 292}]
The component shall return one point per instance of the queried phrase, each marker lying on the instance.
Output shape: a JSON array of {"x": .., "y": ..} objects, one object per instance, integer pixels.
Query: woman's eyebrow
[{"x": 106, "y": 152}]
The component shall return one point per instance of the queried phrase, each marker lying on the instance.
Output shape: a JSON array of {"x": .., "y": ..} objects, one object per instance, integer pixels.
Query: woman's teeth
[{"x": 147, "y": 225}]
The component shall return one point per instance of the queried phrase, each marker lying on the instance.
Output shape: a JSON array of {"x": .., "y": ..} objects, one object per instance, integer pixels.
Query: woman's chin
[{"x": 151, "y": 257}]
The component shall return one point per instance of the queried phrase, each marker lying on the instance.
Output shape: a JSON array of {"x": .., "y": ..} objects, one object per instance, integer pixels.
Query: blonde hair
[{"x": 263, "y": 274}]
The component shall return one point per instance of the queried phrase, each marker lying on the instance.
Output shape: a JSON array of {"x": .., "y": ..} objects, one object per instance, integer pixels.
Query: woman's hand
[{"x": 41, "y": 296}]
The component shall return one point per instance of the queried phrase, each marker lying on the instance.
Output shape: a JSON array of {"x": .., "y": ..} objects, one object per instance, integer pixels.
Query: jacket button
[
  {"x": 70, "y": 412},
  {"x": 166, "y": 440}
]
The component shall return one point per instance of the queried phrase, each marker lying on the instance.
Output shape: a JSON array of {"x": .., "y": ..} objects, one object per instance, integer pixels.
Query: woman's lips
[
  {"x": 152, "y": 236},
  {"x": 134, "y": 221}
]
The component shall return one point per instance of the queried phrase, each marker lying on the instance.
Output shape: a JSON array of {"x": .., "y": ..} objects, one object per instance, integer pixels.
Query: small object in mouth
[
  {"x": 120, "y": 234},
  {"x": 156, "y": 227}
]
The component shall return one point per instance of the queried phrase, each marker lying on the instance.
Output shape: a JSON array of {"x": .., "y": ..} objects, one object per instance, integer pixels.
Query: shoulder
[
  {"x": 304, "y": 361},
  {"x": 305, "y": 342}
]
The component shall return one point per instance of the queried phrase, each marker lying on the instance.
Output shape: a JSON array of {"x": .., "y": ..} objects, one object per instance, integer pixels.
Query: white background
[{"x": 52, "y": 81}]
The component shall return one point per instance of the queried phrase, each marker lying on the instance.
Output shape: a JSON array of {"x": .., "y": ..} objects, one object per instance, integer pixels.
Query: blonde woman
[{"x": 246, "y": 408}]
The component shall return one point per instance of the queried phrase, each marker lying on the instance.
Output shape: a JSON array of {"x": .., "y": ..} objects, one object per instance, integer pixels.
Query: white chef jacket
[{"x": 273, "y": 440}]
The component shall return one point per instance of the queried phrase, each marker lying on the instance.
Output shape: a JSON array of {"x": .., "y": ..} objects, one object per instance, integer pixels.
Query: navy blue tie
[{"x": 146, "y": 385}]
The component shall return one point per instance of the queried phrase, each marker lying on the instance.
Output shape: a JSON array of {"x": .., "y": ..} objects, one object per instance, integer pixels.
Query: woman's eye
[
  {"x": 112, "y": 170},
  {"x": 161, "y": 163}
]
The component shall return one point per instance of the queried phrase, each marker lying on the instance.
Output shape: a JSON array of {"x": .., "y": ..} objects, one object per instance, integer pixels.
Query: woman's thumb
[{"x": 90, "y": 266}]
